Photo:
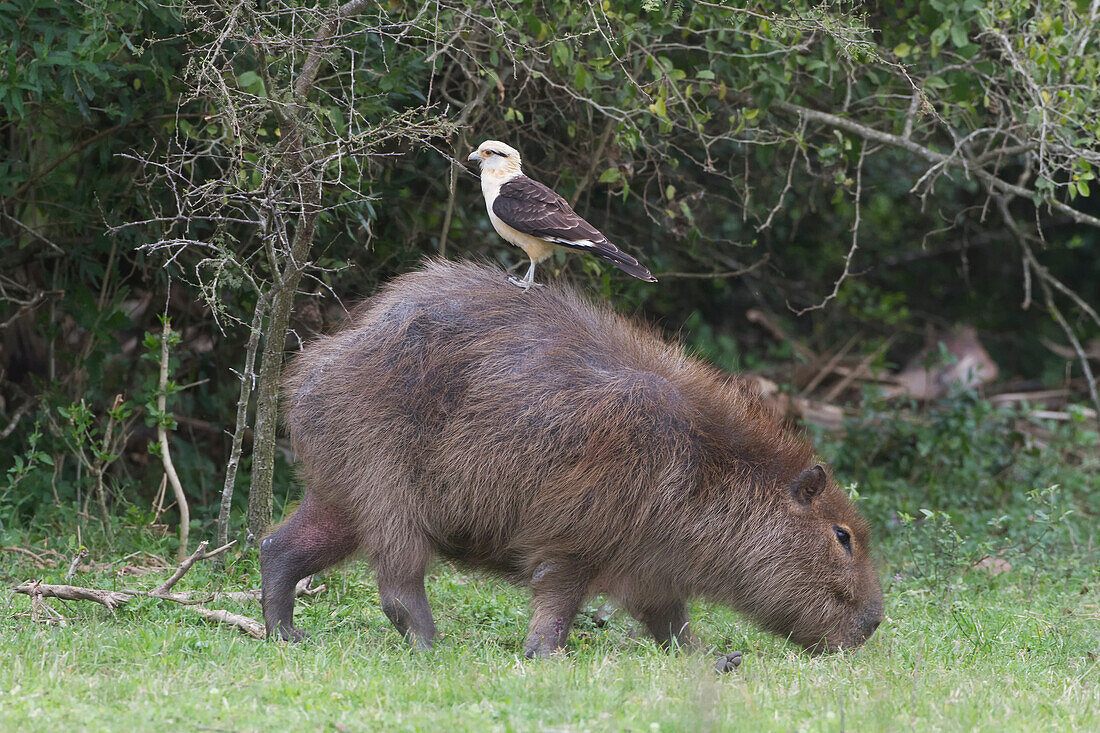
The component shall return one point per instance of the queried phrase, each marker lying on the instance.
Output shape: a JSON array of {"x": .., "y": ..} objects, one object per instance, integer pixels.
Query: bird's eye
[
  {"x": 489, "y": 152},
  {"x": 843, "y": 537}
]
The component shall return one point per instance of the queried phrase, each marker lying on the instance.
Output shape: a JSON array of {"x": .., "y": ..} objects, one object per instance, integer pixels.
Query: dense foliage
[{"x": 909, "y": 164}]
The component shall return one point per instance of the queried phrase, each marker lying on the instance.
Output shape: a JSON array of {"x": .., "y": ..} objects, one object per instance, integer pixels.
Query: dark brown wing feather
[{"x": 532, "y": 208}]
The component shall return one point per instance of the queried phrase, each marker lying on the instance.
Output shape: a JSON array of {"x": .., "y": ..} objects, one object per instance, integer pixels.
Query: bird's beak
[{"x": 476, "y": 155}]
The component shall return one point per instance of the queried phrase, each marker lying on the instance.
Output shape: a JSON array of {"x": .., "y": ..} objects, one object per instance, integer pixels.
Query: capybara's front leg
[
  {"x": 668, "y": 621},
  {"x": 557, "y": 591},
  {"x": 316, "y": 537},
  {"x": 401, "y": 588}
]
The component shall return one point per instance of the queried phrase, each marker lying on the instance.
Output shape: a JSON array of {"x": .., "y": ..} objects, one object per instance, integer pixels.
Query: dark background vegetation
[{"x": 146, "y": 174}]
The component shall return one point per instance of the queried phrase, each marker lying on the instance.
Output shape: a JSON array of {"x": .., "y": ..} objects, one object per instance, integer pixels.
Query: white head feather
[{"x": 497, "y": 160}]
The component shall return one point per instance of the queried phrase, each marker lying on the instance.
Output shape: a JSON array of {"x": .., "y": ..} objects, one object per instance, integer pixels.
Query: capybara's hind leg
[
  {"x": 316, "y": 537},
  {"x": 557, "y": 591},
  {"x": 668, "y": 621},
  {"x": 401, "y": 589}
]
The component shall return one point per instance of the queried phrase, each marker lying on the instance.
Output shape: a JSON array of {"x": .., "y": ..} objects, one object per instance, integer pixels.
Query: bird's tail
[{"x": 626, "y": 263}]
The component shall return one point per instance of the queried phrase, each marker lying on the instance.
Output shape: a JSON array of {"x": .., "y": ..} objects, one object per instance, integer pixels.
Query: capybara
[{"x": 541, "y": 437}]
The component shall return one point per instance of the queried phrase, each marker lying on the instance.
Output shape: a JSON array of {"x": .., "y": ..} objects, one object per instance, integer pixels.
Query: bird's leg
[{"x": 528, "y": 280}]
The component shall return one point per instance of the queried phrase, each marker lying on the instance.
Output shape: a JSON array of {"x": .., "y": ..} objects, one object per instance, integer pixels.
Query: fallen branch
[
  {"x": 191, "y": 597},
  {"x": 1042, "y": 395},
  {"x": 1062, "y": 416},
  {"x": 110, "y": 598},
  {"x": 113, "y": 599},
  {"x": 76, "y": 561},
  {"x": 39, "y": 560},
  {"x": 41, "y": 613},
  {"x": 830, "y": 366},
  {"x": 863, "y": 366},
  {"x": 247, "y": 625},
  {"x": 772, "y": 326},
  {"x": 200, "y": 553}
]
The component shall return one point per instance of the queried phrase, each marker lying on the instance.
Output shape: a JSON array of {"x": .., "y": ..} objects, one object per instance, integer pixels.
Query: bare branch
[
  {"x": 248, "y": 376},
  {"x": 1046, "y": 280},
  {"x": 246, "y": 625},
  {"x": 75, "y": 561},
  {"x": 855, "y": 238},
  {"x": 14, "y": 422},
  {"x": 187, "y": 563},
  {"x": 162, "y": 439},
  {"x": 717, "y": 275},
  {"x": 869, "y": 133},
  {"x": 109, "y": 598}
]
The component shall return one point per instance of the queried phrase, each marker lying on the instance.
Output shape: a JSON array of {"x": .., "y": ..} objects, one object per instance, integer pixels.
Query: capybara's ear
[{"x": 809, "y": 484}]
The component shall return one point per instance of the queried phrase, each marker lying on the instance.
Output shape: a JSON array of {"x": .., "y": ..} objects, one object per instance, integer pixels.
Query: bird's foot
[{"x": 524, "y": 283}]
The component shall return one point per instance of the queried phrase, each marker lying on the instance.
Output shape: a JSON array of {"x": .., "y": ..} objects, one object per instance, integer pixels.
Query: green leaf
[
  {"x": 611, "y": 175},
  {"x": 958, "y": 35},
  {"x": 580, "y": 77},
  {"x": 251, "y": 82}
]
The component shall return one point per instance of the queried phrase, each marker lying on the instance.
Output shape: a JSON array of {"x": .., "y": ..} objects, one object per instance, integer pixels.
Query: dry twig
[
  {"x": 76, "y": 561},
  {"x": 247, "y": 625},
  {"x": 112, "y": 599}
]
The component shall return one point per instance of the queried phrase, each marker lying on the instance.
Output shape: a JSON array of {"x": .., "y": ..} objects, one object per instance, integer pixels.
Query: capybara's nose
[{"x": 869, "y": 624}]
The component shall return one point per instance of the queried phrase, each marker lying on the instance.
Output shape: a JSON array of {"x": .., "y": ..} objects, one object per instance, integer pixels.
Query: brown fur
[{"x": 542, "y": 437}]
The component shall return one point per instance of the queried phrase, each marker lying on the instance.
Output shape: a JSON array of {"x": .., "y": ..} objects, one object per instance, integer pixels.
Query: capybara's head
[{"x": 815, "y": 582}]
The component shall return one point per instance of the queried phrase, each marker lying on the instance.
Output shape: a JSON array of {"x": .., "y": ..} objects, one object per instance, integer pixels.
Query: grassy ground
[{"x": 1016, "y": 651}]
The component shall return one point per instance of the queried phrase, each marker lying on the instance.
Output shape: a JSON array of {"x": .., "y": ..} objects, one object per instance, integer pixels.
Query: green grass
[{"x": 1014, "y": 652}]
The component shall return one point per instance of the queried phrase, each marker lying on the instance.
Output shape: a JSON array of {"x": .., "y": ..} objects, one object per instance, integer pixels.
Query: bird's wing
[{"x": 532, "y": 208}]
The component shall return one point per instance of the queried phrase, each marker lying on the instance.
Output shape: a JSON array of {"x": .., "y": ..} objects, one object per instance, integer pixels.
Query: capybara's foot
[
  {"x": 557, "y": 589},
  {"x": 541, "y": 650},
  {"x": 406, "y": 606},
  {"x": 686, "y": 643},
  {"x": 546, "y": 636},
  {"x": 728, "y": 662},
  {"x": 421, "y": 644},
  {"x": 288, "y": 632}
]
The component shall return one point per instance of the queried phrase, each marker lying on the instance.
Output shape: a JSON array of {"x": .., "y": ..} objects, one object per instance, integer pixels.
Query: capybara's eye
[{"x": 843, "y": 537}]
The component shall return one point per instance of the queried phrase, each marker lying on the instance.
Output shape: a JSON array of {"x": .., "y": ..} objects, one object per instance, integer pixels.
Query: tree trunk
[
  {"x": 247, "y": 376},
  {"x": 260, "y": 499},
  {"x": 297, "y": 160}
]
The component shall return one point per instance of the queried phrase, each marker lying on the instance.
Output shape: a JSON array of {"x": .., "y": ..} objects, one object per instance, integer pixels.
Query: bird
[{"x": 535, "y": 218}]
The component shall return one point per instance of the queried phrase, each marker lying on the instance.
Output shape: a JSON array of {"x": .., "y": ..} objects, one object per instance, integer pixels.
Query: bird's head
[{"x": 497, "y": 159}]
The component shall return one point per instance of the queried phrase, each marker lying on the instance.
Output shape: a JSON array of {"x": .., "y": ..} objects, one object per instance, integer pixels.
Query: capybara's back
[{"x": 533, "y": 434}]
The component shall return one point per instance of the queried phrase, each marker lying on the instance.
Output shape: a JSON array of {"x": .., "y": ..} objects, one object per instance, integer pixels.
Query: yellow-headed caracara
[{"x": 537, "y": 220}]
